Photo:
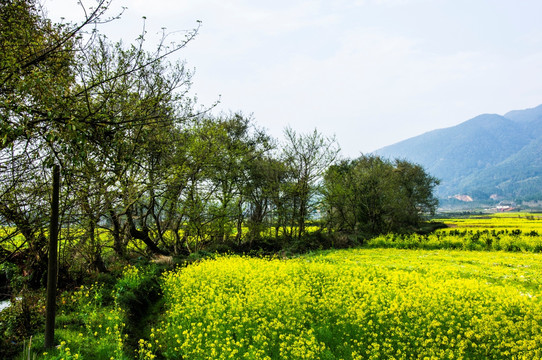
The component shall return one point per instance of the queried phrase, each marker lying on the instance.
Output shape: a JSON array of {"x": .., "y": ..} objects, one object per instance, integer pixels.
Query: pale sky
[{"x": 370, "y": 72}]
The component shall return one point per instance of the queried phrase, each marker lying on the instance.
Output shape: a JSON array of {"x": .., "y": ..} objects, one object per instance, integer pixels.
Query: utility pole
[{"x": 52, "y": 265}]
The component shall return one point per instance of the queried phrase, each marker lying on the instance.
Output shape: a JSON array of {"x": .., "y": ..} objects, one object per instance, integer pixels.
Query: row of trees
[{"x": 144, "y": 171}]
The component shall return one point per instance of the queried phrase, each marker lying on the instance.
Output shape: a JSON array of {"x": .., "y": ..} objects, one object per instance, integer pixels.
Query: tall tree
[
  {"x": 308, "y": 155},
  {"x": 35, "y": 69},
  {"x": 265, "y": 178}
]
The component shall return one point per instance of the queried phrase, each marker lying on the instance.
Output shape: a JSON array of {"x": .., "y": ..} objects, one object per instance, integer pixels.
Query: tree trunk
[
  {"x": 239, "y": 234},
  {"x": 143, "y": 235},
  {"x": 118, "y": 245}
]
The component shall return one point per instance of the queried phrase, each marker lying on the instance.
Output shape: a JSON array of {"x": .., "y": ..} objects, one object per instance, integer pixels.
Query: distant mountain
[
  {"x": 525, "y": 116},
  {"x": 487, "y": 157}
]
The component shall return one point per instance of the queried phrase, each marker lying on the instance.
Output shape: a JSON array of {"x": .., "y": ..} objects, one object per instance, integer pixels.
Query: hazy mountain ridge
[{"x": 487, "y": 155}]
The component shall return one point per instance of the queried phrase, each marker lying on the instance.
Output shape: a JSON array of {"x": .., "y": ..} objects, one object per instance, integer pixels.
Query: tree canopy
[{"x": 372, "y": 195}]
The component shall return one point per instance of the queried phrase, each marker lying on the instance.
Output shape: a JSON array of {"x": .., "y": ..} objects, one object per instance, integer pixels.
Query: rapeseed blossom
[{"x": 355, "y": 304}]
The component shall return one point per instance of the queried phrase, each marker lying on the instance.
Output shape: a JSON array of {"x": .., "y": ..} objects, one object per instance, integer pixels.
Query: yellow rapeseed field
[
  {"x": 355, "y": 304},
  {"x": 512, "y": 221}
]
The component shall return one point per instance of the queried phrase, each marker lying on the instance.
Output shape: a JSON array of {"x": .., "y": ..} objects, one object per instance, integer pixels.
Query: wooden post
[{"x": 52, "y": 265}]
